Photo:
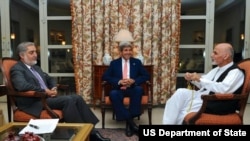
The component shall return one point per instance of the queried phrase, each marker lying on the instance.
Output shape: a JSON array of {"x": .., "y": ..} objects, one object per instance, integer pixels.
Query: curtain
[{"x": 154, "y": 24}]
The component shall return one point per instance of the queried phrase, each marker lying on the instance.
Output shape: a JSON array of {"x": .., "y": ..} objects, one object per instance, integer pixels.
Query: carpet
[{"x": 117, "y": 134}]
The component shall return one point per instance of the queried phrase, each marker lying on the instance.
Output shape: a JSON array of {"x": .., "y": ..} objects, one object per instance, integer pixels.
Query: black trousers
[{"x": 75, "y": 109}]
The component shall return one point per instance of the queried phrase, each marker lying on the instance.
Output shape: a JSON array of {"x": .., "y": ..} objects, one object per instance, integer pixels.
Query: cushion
[
  {"x": 144, "y": 100},
  {"x": 21, "y": 116},
  {"x": 210, "y": 119}
]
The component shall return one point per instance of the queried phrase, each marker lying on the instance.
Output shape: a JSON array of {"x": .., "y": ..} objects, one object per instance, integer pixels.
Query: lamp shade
[{"x": 123, "y": 35}]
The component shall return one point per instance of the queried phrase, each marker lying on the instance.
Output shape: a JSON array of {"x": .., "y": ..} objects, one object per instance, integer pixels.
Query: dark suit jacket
[
  {"x": 23, "y": 80},
  {"x": 114, "y": 72}
]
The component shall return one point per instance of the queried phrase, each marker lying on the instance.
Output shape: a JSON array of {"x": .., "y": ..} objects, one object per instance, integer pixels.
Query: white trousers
[{"x": 182, "y": 102}]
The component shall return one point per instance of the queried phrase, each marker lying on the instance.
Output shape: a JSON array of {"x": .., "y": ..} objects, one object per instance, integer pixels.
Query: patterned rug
[{"x": 117, "y": 134}]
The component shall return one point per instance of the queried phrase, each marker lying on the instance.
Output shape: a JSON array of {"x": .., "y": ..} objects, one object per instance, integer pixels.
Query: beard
[
  {"x": 29, "y": 62},
  {"x": 33, "y": 62},
  {"x": 214, "y": 62}
]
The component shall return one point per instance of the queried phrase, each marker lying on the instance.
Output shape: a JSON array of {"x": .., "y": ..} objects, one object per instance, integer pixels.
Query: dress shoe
[
  {"x": 128, "y": 131},
  {"x": 133, "y": 127},
  {"x": 96, "y": 136}
]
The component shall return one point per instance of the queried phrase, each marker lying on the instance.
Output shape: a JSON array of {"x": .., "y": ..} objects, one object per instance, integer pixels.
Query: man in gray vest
[{"x": 225, "y": 78}]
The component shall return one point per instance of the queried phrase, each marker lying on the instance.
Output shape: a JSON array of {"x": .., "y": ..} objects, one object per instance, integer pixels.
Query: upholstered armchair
[
  {"x": 202, "y": 118},
  {"x": 18, "y": 115},
  {"x": 146, "y": 102}
]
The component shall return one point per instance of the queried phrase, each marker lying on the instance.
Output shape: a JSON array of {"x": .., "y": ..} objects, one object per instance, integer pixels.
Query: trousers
[
  {"x": 74, "y": 108},
  {"x": 134, "y": 109}
]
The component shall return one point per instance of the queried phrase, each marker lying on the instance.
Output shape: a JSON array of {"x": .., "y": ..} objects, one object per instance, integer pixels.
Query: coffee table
[{"x": 63, "y": 131}]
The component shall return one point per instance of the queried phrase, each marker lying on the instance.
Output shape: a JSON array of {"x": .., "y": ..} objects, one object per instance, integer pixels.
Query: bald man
[{"x": 225, "y": 78}]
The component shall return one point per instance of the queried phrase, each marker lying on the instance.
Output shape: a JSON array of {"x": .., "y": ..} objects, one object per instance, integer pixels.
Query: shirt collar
[
  {"x": 123, "y": 60},
  {"x": 28, "y": 66},
  {"x": 226, "y": 66}
]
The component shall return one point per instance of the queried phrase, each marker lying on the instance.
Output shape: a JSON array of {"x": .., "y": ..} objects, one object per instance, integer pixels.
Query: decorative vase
[
  {"x": 140, "y": 57},
  {"x": 106, "y": 59},
  {"x": 116, "y": 52}
]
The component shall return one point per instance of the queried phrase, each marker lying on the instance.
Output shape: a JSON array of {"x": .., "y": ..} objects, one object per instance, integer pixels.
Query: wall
[
  {"x": 227, "y": 20},
  {"x": 28, "y": 21}
]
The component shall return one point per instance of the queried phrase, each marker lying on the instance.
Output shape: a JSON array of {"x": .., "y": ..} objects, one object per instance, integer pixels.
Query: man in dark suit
[
  {"x": 26, "y": 75},
  {"x": 126, "y": 83}
]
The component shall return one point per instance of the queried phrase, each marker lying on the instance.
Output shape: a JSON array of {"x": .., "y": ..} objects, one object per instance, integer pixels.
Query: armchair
[
  {"x": 202, "y": 118},
  {"x": 18, "y": 115},
  {"x": 146, "y": 102}
]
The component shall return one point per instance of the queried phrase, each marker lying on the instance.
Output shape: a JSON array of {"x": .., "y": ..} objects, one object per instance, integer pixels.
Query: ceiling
[
  {"x": 185, "y": 4},
  {"x": 34, "y": 4},
  {"x": 200, "y": 5}
]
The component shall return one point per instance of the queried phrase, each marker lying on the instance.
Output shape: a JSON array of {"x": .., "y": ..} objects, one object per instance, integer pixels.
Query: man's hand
[
  {"x": 51, "y": 92},
  {"x": 127, "y": 82},
  {"x": 192, "y": 76}
]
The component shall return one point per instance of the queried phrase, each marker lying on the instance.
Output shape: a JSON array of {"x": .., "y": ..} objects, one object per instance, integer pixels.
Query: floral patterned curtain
[{"x": 154, "y": 24}]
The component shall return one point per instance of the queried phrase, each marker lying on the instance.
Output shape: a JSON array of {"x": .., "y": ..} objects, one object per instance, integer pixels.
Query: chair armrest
[
  {"x": 214, "y": 97},
  {"x": 63, "y": 88},
  {"x": 41, "y": 95},
  {"x": 222, "y": 97},
  {"x": 27, "y": 94},
  {"x": 147, "y": 86}
]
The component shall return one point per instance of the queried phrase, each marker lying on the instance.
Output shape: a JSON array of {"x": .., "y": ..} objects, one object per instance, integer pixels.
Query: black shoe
[
  {"x": 96, "y": 136},
  {"x": 128, "y": 130},
  {"x": 133, "y": 126}
]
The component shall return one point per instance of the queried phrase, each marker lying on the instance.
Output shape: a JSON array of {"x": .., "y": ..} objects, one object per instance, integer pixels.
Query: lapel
[
  {"x": 28, "y": 71},
  {"x": 132, "y": 67},
  {"x": 119, "y": 67}
]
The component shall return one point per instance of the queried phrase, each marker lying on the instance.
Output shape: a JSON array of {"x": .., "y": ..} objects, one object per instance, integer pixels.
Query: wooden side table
[
  {"x": 97, "y": 81},
  {"x": 82, "y": 130}
]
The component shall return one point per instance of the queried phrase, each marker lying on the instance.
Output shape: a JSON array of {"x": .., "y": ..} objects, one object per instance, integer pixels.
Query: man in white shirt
[{"x": 225, "y": 78}]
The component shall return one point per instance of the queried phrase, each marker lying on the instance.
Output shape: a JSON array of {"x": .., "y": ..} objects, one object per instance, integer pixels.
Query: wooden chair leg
[
  {"x": 150, "y": 116},
  {"x": 113, "y": 115},
  {"x": 9, "y": 109},
  {"x": 142, "y": 111},
  {"x": 103, "y": 117}
]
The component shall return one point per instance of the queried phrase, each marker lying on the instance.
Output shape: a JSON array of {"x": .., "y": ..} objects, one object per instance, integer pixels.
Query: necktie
[
  {"x": 125, "y": 73},
  {"x": 39, "y": 78},
  {"x": 125, "y": 70}
]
